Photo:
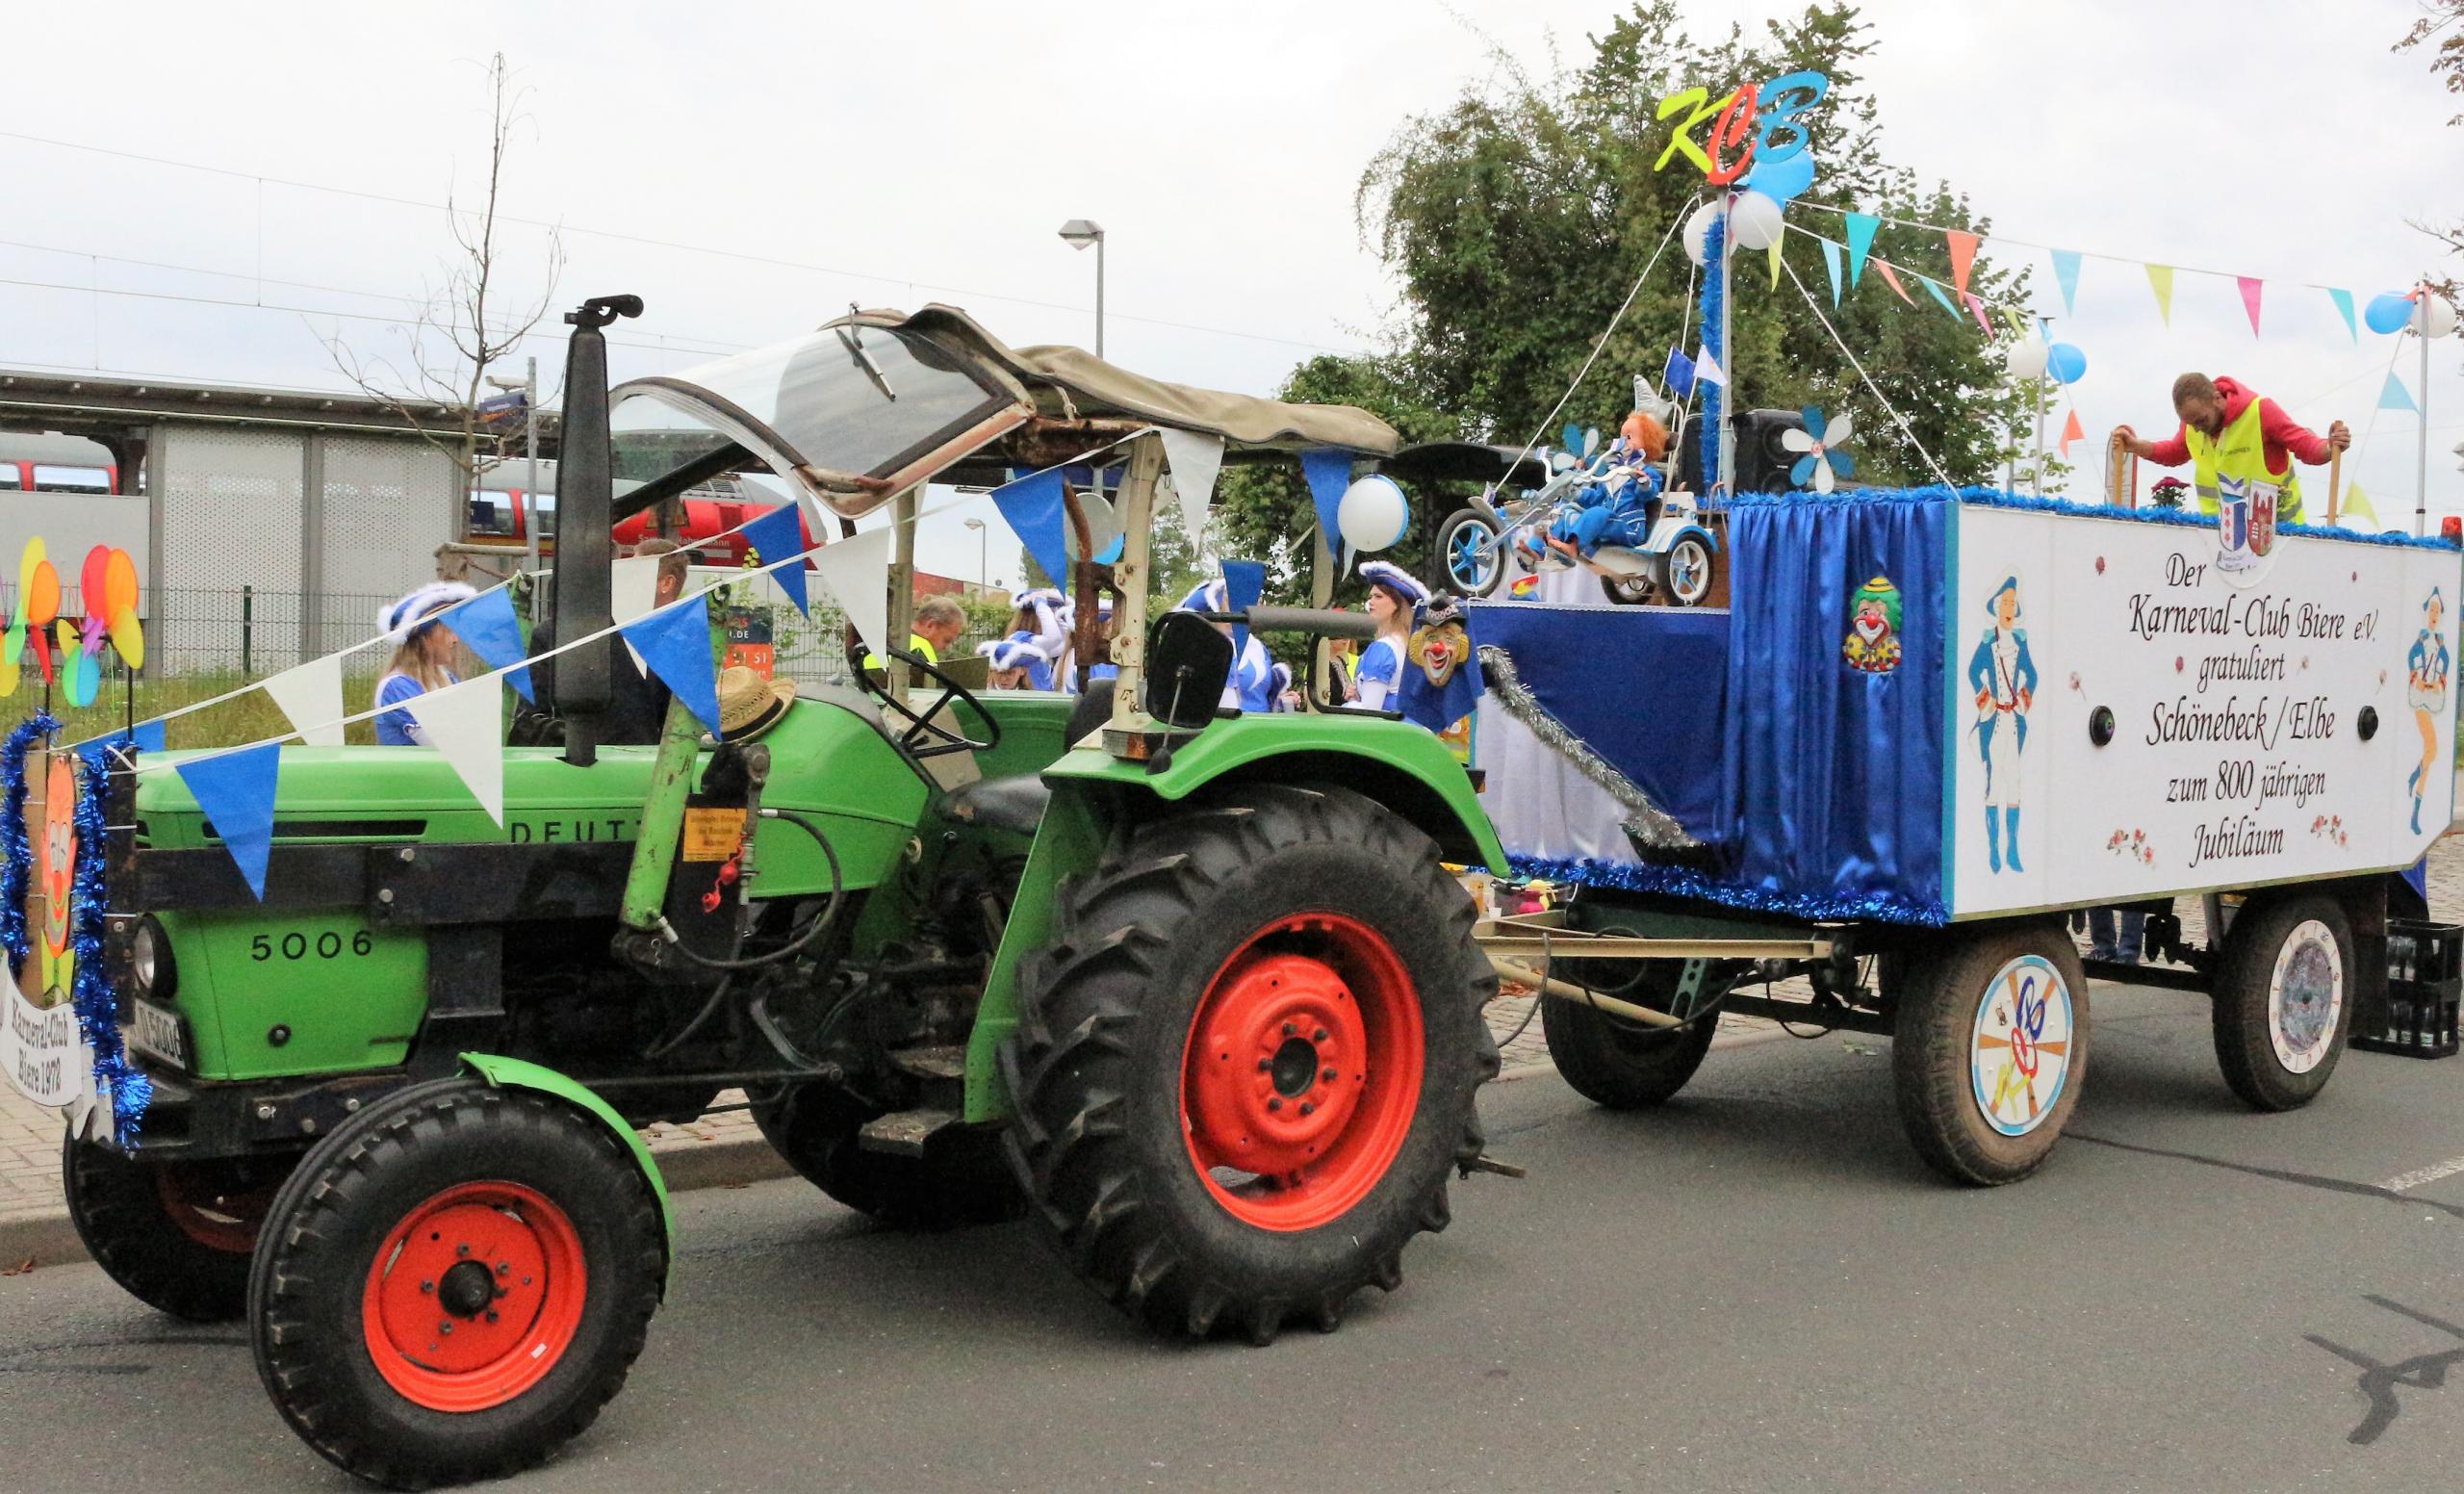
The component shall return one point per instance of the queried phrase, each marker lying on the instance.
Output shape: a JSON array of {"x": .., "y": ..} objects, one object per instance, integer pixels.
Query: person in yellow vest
[
  {"x": 2229, "y": 431},
  {"x": 938, "y": 622}
]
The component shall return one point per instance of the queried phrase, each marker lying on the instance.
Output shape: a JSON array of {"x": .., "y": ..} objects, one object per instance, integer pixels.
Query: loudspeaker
[{"x": 1763, "y": 463}]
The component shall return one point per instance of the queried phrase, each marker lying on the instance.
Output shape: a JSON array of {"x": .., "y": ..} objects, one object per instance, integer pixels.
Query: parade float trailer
[{"x": 1199, "y": 995}]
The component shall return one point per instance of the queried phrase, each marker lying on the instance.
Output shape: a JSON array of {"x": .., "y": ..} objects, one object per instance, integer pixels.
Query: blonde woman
[
  {"x": 1394, "y": 596},
  {"x": 422, "y": 658},
  {"x": 2426, "y": 671}
]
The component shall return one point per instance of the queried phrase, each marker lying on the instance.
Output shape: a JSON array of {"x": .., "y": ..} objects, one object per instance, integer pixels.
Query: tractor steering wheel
[{"x": 924, "y": 736}]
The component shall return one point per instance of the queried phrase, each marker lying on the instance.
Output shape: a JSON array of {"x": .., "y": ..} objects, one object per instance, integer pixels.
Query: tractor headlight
[{"x": 150, "y": 960}]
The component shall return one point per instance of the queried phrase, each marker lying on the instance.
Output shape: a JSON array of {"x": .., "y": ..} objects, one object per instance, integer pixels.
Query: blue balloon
[
  {"x": 2065, "y": 363},
  {"x": 2388, "y": 313},
  {"x": 1782, "y": 179}
]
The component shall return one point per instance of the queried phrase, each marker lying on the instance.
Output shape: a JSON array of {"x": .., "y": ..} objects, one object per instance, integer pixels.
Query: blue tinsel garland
[
  {"x": 1680, "y": 882},
  {"x": 1995, "y": 498},
  {"x": 90, "y": 987},
  {"x": 17, "y": 850},
  {"x": 1714, "y": 291}
]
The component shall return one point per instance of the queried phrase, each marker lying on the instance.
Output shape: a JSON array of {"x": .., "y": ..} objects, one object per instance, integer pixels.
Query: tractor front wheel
[
  {"x": 174, "y": 1235},
  {"x": 1246, "y": 1062},
  {"x": 453, "y": 1284}
]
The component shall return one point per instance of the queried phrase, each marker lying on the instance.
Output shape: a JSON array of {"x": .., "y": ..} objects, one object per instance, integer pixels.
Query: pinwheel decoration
[
  {"x": 1579, "y": 445},
  {"x": 108, "y": 586},
  {"x": 1823, "y": 463}
]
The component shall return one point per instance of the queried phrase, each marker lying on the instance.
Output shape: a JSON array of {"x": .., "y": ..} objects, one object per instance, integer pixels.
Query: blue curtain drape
[{"x": 1835, "y": 775}]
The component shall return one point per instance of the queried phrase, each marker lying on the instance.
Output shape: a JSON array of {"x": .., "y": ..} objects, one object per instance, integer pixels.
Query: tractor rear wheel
[
  {"x": 453, "y": 1282},
  {"x": 174, "y": 1235},
  {"x": 1247, "y": 1059},
  {"x": 959, "y": 1180}
]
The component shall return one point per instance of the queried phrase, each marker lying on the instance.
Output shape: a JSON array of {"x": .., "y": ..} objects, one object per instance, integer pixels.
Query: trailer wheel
[
  {"x": 1621, "y": 1063},
  {"x": 174, "y": 1235},
  {"x": 2283, "y": 999},
  {"x": 959, "y": 1180},
  {"x": 1990, "y": 1051},
  {"x": 1247, "y": 1061},
  {"x": 453, "y": 1282}
]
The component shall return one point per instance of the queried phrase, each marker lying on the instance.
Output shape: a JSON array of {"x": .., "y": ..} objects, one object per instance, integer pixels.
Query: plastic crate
[{"x": 2425, "y": 988}]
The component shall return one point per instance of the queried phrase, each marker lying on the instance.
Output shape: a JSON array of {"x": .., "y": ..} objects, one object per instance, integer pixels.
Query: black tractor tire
[
  {"x": 1201, "y": 930},
  {"x": 2278, "y": 1055},
  {"x": 1959, "y": 1003},
  {"x": 422, "y": 1185},
  {"x": 959, "y": 1180},
  {"x": 174, "y": 1235},
  {"x": 1617, "y": 1062}
]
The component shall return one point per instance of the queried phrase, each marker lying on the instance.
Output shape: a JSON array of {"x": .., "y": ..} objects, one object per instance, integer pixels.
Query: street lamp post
[
  {"x": 983, "y": 554},
  {"x": 1078, "y": 233}
]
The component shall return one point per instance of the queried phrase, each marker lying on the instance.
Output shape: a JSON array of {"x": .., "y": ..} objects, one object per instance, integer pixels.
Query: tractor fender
[{"x": 521, "y": 1074}]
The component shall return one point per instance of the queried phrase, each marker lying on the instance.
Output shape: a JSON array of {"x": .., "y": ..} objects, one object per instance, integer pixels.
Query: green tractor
[{"x": 1193, "y": 990}]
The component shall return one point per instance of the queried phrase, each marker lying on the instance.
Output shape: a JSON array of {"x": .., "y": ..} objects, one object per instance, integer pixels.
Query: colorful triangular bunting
[
  {"x": 1330, "y": 473},
  {"x": 2357, "y": 502},
  {"x": 486, "y": 626},
  {"x": 1245, "y": 582},
  {"x": 774, "y": 537},
  {"x": 1831, "y": 261},
  {"x": 1194, "y": 460},
  {"x": 2066, "y": 274},
  {"x": 310, "y": 696},
  {"x": 462, "y": 723},
  {"x": 2395, "y": 397},
  {"x": 1962, "y": 256},
  {"x": 236, "y": 791},
  {"x": 1934, "y": 289},
  {"x": 1032, "y": 507},
  {"x": 2072, "y": 431},
  {"x": 2252, "y": 287},
  {"x": 2343, "y": 308},
  {"x": 2160, "y": 279},
  {"x": 1706, "y": 368},
  {"x": 675, "y": 642},
  {"x": 1861, "y": 227},
  {"x": 1884, "y": 266},
  {"x": 856, "y": 570}
]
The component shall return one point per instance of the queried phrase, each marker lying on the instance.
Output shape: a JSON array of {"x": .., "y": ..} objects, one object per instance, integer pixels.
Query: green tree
[{"x": 1518, "y": 219}]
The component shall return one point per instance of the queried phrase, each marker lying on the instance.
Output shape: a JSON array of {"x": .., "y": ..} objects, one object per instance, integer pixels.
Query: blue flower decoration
[{"x": 1823, "y": 462}]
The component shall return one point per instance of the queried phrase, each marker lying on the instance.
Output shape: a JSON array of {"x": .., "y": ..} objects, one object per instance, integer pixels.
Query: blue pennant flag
[
  {"x": 1032, "y": 507},
  {"x": 1679, "y": 373},
  {"x": 2395, "y": 397},
  {"x": 675, "y": 641},
  {"x": 1330, "y": 473},
  {"x": 146, "y": 736},
  {"x": 235, "y": 792},
  {"x": 486, "y": 623},
  {"x": 1245, "y": 582},
  {"x": 2065, "y": 274},
  {"x": 1860, "y": 228},
  {"x": 774, "y": 537}
]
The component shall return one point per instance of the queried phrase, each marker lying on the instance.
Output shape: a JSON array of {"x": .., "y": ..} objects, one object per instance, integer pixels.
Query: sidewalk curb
[{"x": 49, "y": 1239}]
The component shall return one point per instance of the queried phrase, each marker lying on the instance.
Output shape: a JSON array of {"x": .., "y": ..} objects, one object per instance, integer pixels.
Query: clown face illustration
[{"x": 58, "y": 871}]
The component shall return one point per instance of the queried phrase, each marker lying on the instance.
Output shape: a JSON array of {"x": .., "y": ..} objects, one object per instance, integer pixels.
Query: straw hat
[{"x": 750, "y": 704}]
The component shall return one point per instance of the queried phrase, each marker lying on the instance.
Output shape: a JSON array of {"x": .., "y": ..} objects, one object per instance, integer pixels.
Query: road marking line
[{"x": 2419, "y": 1176}]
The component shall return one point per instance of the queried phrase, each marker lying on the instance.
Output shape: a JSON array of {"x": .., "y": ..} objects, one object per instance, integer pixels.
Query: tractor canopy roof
[{"x": 876, "y": 402}]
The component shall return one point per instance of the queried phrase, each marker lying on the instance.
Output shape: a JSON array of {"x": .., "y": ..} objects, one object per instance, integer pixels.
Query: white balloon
[
  {"x": 1755, "y": 220},
  {"x": 1373, "y": 514},
  {"x": 1698, "y": 232},
  {"x": 2433, "y": 316},
  {"x": 2026, "y": 359}
]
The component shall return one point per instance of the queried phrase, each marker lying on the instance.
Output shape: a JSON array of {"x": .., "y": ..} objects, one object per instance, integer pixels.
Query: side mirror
[{"x": 1186, "y": 663}]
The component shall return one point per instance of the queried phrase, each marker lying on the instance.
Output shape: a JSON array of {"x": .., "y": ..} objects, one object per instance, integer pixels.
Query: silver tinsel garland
[{"x": 1650, "y": 826}]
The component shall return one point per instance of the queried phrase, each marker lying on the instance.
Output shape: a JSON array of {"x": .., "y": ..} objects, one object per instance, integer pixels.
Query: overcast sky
[{"x": 929, "y": 151}]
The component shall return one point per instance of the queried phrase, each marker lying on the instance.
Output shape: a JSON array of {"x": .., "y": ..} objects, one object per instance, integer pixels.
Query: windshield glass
[
  {"x": 651, "y": 438},
  {"x": 862, "y": 401}
]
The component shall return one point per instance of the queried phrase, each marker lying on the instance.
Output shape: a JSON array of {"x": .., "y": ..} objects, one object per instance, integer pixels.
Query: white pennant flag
[
  {"x": 1195, "y": 460},
  {"x": 1706, "y": 369},
  {"x": 311, "y": 697},
  {"x": 632, "y": 590},
  {"x": 461, "y": 722},
  {"x": 856, "y": 572}
]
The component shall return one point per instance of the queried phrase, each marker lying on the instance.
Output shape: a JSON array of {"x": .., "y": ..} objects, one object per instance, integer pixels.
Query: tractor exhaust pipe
[{"x": 585, "y": 500}]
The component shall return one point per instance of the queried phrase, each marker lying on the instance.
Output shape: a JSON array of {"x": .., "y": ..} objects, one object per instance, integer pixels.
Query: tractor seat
[{"x": 1014, "y": 803}]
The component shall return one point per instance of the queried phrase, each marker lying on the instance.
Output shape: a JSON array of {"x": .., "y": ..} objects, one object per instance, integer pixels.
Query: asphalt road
[{"x": 1756, "y": 1288}]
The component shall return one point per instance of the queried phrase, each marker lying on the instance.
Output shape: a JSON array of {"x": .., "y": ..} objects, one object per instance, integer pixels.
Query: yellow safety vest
[
  {"x": 2242, "y": 451},
  {"x": 916, "y": 643}
]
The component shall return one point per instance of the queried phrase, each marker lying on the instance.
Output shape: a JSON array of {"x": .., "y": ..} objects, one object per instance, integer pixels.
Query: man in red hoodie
[{"x": 2229, "y": 431}]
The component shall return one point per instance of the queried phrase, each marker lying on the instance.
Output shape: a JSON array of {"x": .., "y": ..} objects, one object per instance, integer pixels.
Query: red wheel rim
[
  {"x": 474, "y": 1297},
  {"x": 216, "y": 1218},
  {"x": 1302, "y": 1071}
]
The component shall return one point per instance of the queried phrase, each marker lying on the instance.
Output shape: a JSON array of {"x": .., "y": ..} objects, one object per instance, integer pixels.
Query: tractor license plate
[{"x": 160, "y": 1033}]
